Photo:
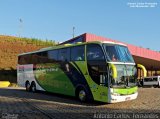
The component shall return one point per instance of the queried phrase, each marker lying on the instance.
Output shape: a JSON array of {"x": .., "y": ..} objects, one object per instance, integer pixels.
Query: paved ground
[{"x": 17, "y": 103}]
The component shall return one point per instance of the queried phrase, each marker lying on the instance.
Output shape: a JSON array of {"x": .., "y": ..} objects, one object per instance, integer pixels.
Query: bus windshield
[
  {"x": 126, "y": 76},
  {"x": 118, "y": 53}
]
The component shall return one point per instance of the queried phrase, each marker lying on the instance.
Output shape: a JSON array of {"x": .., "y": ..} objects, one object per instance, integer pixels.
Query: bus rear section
[{"x": 152, "y": 81}]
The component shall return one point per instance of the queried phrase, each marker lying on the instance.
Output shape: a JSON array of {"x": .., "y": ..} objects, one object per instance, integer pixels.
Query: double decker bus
[{"x": 99, "y": 71}]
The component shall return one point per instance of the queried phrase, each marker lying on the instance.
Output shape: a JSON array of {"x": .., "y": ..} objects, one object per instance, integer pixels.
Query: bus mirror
[
  {"x": 143, "y": 69},
  {"x": 114, "y": 70}
]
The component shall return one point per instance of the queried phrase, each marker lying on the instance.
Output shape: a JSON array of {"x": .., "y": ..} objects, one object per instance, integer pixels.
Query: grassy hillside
[{"x": 11, "y": 46}]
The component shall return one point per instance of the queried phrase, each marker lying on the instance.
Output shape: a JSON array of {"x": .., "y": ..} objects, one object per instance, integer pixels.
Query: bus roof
[{"x": 71, "y": 45}]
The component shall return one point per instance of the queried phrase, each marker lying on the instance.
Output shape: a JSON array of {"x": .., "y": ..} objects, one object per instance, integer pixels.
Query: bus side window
[
  {"x": 94, "y": 52},
  {"x": 20, "y": 60},
  {"x": 44, "y": 57},
  {"x": 32, "y": 59},
  {"x": 154, "y": 79},
  {"x": 64, "y": 54},
  {"x": 53, "y": 55},
  {"x": 27, "y": 59},
  {"x": 77, "y": 53}
]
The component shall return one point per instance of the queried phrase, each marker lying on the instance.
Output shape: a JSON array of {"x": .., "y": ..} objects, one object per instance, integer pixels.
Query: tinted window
[
  {"x": 28, "y": 59},
  {"x": 112, "y": 52},
  {"x": 20, "y": 59},
  {"x": 34, "y": 58},
  {"x": 118, "y": 53},
  {"x": 94, "y": 52},
  {"x": 53, "y": 55},
  {"x": 150, "y": 79},
  {"x": 42, "y": 57},
  {"x": 147, "y": 79},
  {"x": 154, "y": 79},
  {"x": 77, "y": 53},
  {"x": 38, "y": 58},
  {"x": 64, "y": 54},
  {"x": 23, "y": 59}
]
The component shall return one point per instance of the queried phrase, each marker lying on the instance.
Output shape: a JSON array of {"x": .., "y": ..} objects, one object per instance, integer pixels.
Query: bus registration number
[{"x": 128, "y": 98}]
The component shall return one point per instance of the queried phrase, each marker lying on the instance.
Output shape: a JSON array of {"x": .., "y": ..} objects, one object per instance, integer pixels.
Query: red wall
[{"x": 143, "y": 52}]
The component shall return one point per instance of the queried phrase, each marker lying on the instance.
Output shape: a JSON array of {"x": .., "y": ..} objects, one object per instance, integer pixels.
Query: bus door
[{"x": 97, "y": 69}]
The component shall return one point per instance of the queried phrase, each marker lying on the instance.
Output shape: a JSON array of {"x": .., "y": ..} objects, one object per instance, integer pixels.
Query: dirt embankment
[{"x": 10, "y": 47}]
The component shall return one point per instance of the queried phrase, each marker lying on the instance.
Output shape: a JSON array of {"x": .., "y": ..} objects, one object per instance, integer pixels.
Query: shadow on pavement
[{"x": 44, "y": 96}]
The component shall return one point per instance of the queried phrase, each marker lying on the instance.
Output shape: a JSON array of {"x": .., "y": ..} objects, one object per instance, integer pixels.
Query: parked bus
[
  {"x": 152, "y": 81},
  {"x": 99, "y": 71}
]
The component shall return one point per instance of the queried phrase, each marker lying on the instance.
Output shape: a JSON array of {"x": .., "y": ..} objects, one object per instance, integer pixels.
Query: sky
[{"x": 55, "y": 19}]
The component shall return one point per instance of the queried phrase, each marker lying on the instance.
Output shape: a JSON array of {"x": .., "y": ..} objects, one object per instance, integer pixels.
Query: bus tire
[
  {"x": 82, "y": 95},
  {"x": 28, "y": 86},
  {"x": 159, "y": 85},
  {"x": 33, "y": 87}
]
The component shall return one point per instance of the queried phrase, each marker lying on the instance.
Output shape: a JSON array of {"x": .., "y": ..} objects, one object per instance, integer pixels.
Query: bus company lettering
[{"x": 46, "y": 68}]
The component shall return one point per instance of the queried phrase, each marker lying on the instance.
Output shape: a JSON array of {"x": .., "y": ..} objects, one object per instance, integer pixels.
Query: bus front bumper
[{"x": 121, "y": 98}]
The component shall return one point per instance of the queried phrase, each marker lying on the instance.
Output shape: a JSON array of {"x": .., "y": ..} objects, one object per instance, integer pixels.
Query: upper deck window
[
  {"x": 77, "y": 53},
  {"x": 64, "y": 54},
  {"x": 94, "y": 52},
  {"x": 53, "y": 55},
  {"x": 118, "y": 53}
]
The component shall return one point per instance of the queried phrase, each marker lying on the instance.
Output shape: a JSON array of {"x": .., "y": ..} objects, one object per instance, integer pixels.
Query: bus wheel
[
  {"x": 28, "y": 86},
  {"x": 158, "y": 85},
  {"x": 82, "y": 95},
  {"x": 33, "y": 87}
]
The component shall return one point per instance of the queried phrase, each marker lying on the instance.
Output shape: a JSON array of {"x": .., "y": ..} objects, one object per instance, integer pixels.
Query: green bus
[{"x": 91, "y": 71}]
